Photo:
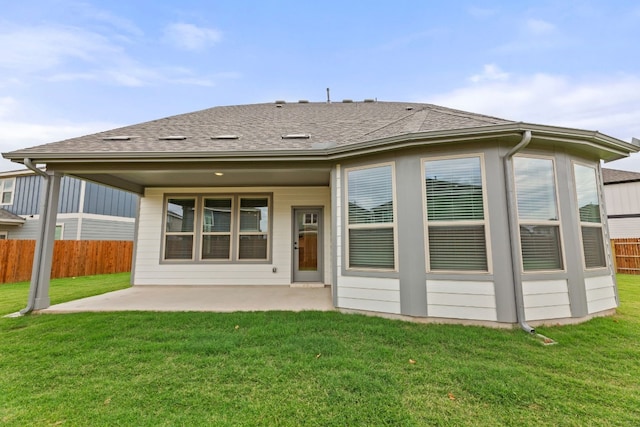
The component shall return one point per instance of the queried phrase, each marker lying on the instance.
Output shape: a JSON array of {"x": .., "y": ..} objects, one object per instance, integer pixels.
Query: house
[
  {"x": 86, "y": 211},
  {"x": 622, "y": 196},
  {"x": 418, "y": 211}
]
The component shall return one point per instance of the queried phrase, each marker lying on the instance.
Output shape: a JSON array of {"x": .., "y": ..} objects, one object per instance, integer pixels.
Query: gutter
[
  {"x": 33, "y": 288},
  {"x": 512, "y": 210}
]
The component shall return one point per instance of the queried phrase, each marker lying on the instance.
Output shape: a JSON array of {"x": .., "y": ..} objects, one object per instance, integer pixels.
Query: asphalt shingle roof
[
  {"x": 261, "y": 127},
  {"x": 6, "y": 216},
  {"x": 615, "y": 176}
]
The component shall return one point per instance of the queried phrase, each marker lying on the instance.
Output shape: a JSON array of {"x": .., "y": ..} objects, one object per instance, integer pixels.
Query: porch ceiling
[{"x": 137, "y": 178}]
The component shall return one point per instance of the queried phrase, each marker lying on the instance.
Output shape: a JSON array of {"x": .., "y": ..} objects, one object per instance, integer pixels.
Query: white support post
[{"x": 43, "y": 256}]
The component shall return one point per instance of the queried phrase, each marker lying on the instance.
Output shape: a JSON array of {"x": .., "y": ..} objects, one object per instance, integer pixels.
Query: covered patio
[{"x": 203, "y": 298}]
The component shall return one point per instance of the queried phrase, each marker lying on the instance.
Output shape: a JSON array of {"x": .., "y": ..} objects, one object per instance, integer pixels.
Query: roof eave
[{"x": 613, "y": 148}]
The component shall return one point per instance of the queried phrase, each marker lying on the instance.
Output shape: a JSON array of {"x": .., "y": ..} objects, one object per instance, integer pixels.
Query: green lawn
[
  {"x": 314, "y": 368},
  {"x": 13, "y": 296}
]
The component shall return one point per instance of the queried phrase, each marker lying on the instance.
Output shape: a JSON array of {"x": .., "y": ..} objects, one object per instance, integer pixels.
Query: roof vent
[
  {"x": 408, "y": 108},
  {"x": 117, "y": 138},
  {"x": 172, "y": 138},
  {"x": 296, "y": 136},
  {"x": 303, "y": 101},
  {"x": 225, "y": 137},
  {"x": 347, "y": 101},
  {"x": 369, "y": 100},
  {"x": 280, "y": 102}
]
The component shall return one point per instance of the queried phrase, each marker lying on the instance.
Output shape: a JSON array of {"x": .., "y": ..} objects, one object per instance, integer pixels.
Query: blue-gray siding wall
[
  {"x": 102, "y": 200},
  {"x": 26, "y": 198},
  {"x": 99, "y": 199},
  {"x": 69, "y": 195}
]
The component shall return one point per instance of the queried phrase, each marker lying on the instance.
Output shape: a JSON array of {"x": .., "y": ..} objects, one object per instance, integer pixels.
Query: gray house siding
[
  {"x": 98, "y": 199},
  {"x": 94, "y": 229},
  {"x": 96, "y": 218}
]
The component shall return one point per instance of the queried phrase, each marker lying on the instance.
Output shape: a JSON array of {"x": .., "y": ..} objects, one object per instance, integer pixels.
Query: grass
[
  {"x": 13, "y": 296},
  {"x": 317, "y": 369}
]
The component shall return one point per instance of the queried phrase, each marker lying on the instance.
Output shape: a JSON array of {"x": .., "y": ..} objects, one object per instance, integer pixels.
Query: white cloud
[
  {"x": 57, "y": 54},
  {"x": 539, "y": 27},
  {"x": 39, "y": 48},
  {"x": 6, "y": 105},
  {"x": 491, "y": 72},
  {"x": 609, "y": 104},
  {"x": 191, "y": 37},
  {"x": 19, "y": 134}
]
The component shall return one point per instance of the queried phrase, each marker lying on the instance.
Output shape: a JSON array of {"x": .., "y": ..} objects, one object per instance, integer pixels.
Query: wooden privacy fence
[
  {"x": 627, "y": 255},
  {"x": 71, "y": 258}
]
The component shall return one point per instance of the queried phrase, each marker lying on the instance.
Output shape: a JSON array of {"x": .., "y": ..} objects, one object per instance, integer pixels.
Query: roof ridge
[
  {"x": 466, "y": 114},
  {"x": 411, "y": 114}
]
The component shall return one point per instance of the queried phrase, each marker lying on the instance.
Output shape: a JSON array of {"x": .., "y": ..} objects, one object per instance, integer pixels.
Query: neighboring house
[
  {"x": 86, "y": 211},
  {"x": 622, "y": 197},
  {"x": 415, "y": 210}
]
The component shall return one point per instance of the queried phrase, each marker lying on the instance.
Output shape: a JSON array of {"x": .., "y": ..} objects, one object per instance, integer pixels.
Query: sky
[{"x": 70, "y": 68}]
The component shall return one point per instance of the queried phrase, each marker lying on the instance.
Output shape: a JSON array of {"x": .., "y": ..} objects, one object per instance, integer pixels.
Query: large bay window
[
  {"x": 590, "y": 219},
  {"x": 538, "y": 216},
  {"x": 455, "y": 214},
  {"x": 371, "y": 218},
  {"x": 230, "y": 228}
]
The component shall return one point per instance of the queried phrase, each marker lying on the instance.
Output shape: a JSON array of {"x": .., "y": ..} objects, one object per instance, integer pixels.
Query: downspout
[
  {"x": 512, "y": 211},
  {"x": 34, "y": 283}
]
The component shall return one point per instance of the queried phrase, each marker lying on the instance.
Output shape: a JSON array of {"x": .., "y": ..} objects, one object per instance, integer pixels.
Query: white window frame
[
  {"x": 485, "y": 222},
  {"x": 557, "y": 222},
  {"x": 198, "y": 230},
  {"x": 393, "y": 225},
  {"x": 4, "y": 235},
  {"x": 3, "y": 191},
  {"x": 581, "y": 224}
]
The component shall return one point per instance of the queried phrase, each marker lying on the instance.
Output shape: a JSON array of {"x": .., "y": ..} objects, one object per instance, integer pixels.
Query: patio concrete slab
[{"x": 202, "y": 298}]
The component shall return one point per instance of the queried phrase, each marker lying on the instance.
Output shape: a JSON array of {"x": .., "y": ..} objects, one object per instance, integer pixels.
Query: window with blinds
[
  {"x": 538, "y": 217},
  {"x": 590, "y": 218},
  {"x": 455, "y": 214},
  {"x": 371, "y": 220}
]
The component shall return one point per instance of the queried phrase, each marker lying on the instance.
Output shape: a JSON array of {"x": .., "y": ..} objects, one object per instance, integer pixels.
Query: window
[
  {"x": 216, "y": 228},
  {"x": 590, "y": 219},
  {"x": 3, "y": 235},
  {"x": 538, "y": 214},
  {"x": 59, "y": 233},
  {"x": 7, "y": 187},
  {"x": 455, "y": 214},
  {"x": 371, "y": 218},
  {"x": 179, "y": 228},
  {"x": 224, "y": 227},
  {"x": 254, "y": 228}
]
